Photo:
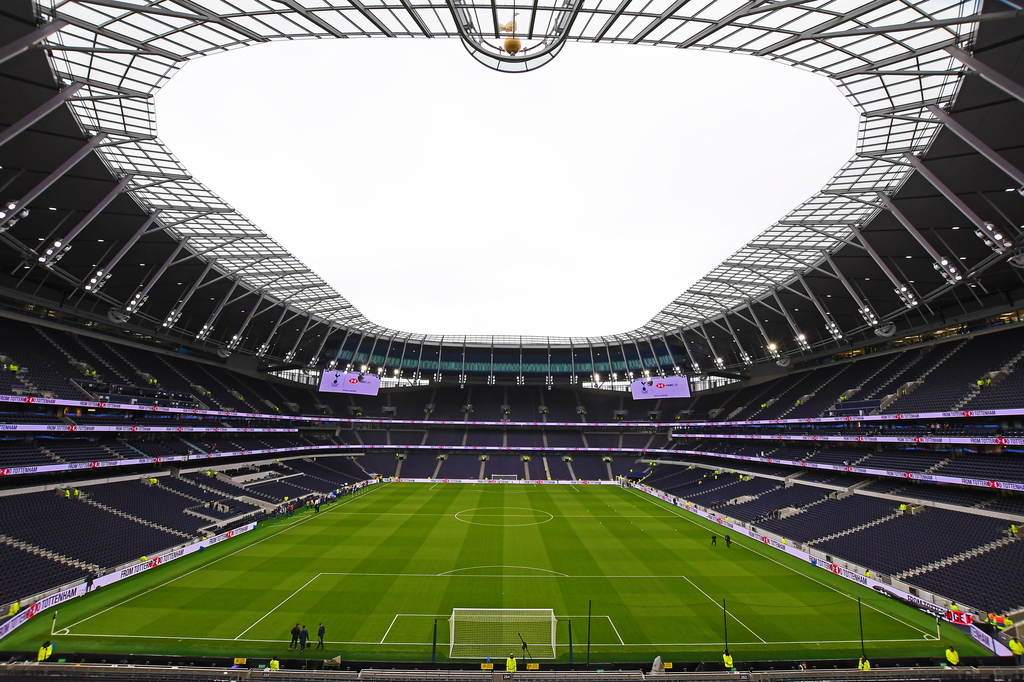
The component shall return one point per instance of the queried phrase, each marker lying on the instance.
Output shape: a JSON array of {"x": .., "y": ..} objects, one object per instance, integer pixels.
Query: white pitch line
[
  {"x": 790, "y": 568},
  {"x": 204, "y": 566},
  {"x": 434, "y": 486},
  {"x": 726, "y": 610},
  {"x": 389, "y": 629},
  {"x": 279, "y": 605},
  {"x": 654, "y": 644}
]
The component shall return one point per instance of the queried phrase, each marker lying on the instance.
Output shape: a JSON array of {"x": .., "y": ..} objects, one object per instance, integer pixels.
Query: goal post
[
  {"x": 478, "y": 633},
  {"x": 504, "y": 477}
]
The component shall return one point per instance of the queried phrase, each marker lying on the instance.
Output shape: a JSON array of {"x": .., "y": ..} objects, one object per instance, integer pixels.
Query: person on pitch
[
  {"x": 296, "y": 631},
  {"x": 714, "y": 540},
  {"x": 320, "y": 633},
  {"x": 510, "y": 664},
  {"x": 303, "y": 638},
  {"x": 728, "y": 540}
]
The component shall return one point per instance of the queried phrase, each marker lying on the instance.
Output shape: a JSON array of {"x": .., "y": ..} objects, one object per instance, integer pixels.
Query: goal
[
  {"x": 476, "y": 633},
  {"x": 504, "y": 477}
]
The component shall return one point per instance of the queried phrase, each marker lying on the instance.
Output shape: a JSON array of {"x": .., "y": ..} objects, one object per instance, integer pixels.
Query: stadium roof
[{"x": 901, "y": 64}]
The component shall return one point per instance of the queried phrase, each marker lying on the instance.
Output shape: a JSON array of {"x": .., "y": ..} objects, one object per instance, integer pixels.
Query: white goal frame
[
  {"x": 506, "y": 624},
  {"x": 504, "y": 477}
]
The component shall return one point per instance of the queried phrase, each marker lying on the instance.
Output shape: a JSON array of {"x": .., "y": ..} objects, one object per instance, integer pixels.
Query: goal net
[
  {"x": 476, "y": 633},
  {"x": 504, "y": 477}
]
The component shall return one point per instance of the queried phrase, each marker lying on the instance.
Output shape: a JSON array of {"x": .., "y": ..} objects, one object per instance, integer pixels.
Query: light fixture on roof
[
  {"x": 869, "y": 315},
  {"x": 948, "y": 271},
  {"x": 906, "y": 295},
  {"x": 172, "y": 317},
  {"x": 994, "y": 238},
  {"x": 801, "y": 340},
  {"x": 8, "y": 216},
  {"x": 204, "y": 333},
  {"x": 54, "y": 253},
  {"x": 773, "y": 350},
  {"x": 834, "y": 330},
  {"x": 745, "y": 357},
  {"x": 136, "y": 302},
  {"x": 720, "y": 362}
]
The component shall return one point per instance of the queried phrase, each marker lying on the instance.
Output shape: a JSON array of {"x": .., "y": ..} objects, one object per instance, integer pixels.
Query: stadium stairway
[
  {"x": 957, "y": 558},
  {"x": 131, "y": 517},
  {"x": 53, "y": 556},
  {"x": 855, "y": 529}
]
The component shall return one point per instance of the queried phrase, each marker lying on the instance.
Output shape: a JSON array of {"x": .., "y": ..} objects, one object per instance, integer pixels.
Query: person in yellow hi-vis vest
[
  {"x": 45, "y": 651},
  {"x": 510, "y": 664},
  {"x": 275, "y": 664},
  {"x": 952, "y": 656},
  {"x": 1018, "y": 650},
  {"x": 863, "y": 663},
  {"x": 727, "y": 660}
]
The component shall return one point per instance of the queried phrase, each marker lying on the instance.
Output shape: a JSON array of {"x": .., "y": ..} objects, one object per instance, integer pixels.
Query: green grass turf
[{"x": 420, "y": 550}]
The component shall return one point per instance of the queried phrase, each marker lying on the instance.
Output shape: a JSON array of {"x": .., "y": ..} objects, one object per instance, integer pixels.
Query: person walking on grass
[
  {"x": 728, "y": 540},
  {"x": 714, "y": 540},
  {"x": 303, "y": 638},
  {"x": 296, "y": 631},
  {"x": 320, "y": 634}
]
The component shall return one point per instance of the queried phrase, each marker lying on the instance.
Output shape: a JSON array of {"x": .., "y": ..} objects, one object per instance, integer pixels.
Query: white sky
[{"x": 441, "y": 197}]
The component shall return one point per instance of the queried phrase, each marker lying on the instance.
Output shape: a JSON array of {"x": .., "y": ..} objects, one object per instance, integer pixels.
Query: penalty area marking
[
  {"x": 926, "y": 634},
  {"x": 204, "y": 566}
]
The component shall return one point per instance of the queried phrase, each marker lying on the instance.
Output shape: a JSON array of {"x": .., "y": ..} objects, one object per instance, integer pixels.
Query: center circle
[{"x": 504, "y": 517}]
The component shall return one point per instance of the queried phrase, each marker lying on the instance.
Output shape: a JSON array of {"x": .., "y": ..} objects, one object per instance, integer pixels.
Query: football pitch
[{"x": 379, "y": 568}]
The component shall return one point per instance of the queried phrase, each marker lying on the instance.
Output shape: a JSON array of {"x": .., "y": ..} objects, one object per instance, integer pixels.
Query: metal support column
[
  {"x": 56, "y": 175},
  {"x": 689, "y": 353},
  {"x": 863, "y": 308},
  {"x": 830, "y": 324},
  {"x": 25, "y": 42},
  {"x": 295, "y": 346},
  {"x": 136, "y": 301},
  {"x": 718, "y": 360},
  {"x": 988, "y": 73},
  {"x": 902, "y": 290},
  {"x": 979, "y": 146},
  {"x": 38, "y": 113},
  {"x": 798, "y": 336},
  {"x": 770, "y": 346},
  {"x": 744, "y": 356},
  {"x": 208, "y": 327},
  {"x": 60, "y": 246},
  {"x": 943, "y": 264},
  {"x": 320, "y": 349},
  {"x": 946, "y": 192},
  {"x": 265, "y": 346},
  {"x": 175, "y": 313},
  {"x": 236, "y": 338}
]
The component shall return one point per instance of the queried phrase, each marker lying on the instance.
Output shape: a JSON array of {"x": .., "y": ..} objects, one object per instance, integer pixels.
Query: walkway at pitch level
[{"x": 134, "y": 673}]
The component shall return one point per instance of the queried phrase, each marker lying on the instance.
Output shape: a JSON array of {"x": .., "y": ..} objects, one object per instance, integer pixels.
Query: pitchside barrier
[
  {"x": 958, "y": 414},
  {"x": 68, "y": 592},
  {"x": 982, "y": 638}
]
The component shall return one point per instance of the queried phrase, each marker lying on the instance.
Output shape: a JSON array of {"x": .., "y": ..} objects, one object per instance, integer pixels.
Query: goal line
[{"x": 478, "y": 633}]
